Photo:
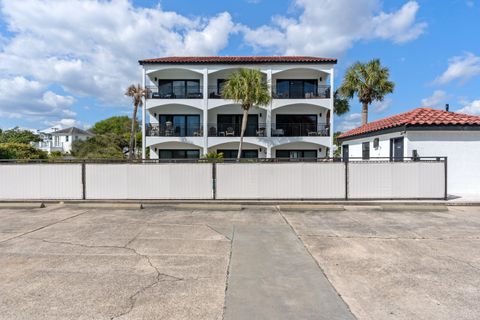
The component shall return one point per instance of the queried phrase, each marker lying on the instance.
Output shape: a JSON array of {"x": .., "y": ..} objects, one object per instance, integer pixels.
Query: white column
[
  {"x": 144, "y": 116},
  {"x": 269, "y": 152},
  {"x": 332, "y": 113},
  {"x": 268, "y": 118},
  {"x": 205, "y": 111}
]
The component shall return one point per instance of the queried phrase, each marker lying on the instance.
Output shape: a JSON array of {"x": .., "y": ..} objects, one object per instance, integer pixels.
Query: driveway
[{"x": 64, "y": 262}]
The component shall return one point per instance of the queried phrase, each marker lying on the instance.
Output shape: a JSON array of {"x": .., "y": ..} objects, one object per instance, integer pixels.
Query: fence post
[
  {"x": 214, "y": 179},
  {"x": 346, "y": 179},
  {"x": 84, "y": 189},
  {"x": 446, "y": 178}
]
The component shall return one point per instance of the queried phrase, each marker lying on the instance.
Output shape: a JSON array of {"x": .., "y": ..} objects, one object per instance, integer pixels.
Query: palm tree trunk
[
  {"x": 364, "y": 113},
  {"x": 132, "y": 132},
  {"x": 244, "y": 127}
]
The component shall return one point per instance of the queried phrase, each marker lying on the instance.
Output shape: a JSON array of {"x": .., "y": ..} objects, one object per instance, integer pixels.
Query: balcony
[
  {"x": 299, "y": 130},
  {"x": 312, "y": 92},
  {"x": 234, "y": 129},
  {"x": 177, "y": 130},
  {"x": 175, "y": 92}
]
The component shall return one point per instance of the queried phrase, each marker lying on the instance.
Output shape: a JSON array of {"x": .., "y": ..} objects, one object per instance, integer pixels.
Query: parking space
[{"x": 67, "y": 262}]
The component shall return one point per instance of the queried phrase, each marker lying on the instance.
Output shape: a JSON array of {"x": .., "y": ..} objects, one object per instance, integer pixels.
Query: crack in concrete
[
  {"x": 228, "y": 273},
  {"x": 385, "y": 238},
  {"x": 132, "y": 298},
  {"x": 45, "y": 226}
]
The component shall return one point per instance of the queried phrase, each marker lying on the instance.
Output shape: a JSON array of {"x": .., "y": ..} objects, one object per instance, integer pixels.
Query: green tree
[
  {"x": 17, "y": 135},
  {"x": 248, "y": 88},
  {"x": 338, "y": 151},
  {"x": 340, "y": 104},
  {"x": 119, "y": 125},
  {"x": 369, "y": 81},
  {"x": 136, "y": 93},
  {"x": 106, "y": 146},
  {"x": 15, "y": 150}
]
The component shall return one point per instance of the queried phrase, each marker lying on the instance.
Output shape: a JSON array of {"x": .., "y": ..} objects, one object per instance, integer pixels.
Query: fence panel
[
  {"x": 41, "y": 181},
  {"x": 300, "y": 180},
  {"x": 149, "y": 181},
  {"x": 396, "y": 180}
]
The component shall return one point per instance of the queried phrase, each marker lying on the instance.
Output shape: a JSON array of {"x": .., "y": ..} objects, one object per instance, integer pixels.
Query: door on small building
[
  {"x": 345, "y": 152},
  {"x": 396, "y": 149}
]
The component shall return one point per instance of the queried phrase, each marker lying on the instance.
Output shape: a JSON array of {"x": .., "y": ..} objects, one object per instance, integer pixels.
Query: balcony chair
[
  {"x": 261, "y": 132},
  {"x": 169, "y": 131},
  {"x": 230, "y": 132},
  {"x": 212, "y": 132}
]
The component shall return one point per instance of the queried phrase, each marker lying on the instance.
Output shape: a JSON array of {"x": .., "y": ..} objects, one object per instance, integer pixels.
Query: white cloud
[
  {"x": 461, "y": 68},
  {"x": 437, "y": 98},
  {"x": 329, "y": 28},
  {"x": 381, "y": 106},
  {"x": 349, "y": 122},
  {"x": 23, "y": 98},
  {"x": 471, "y": 107},
  {"x": 91, "y": 48}
]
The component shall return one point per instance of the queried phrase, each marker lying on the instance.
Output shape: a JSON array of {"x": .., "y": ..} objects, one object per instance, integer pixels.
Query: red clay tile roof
[
  {"x": 238, "y": 60},
  {"x": 415, "y": 117}
]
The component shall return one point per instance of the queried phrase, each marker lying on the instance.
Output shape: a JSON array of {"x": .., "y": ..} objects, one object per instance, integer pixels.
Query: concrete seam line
[
  {"x": 43, "y": 227},
  {"x": 228, "y": 273},
  {"x": 314, "y": 260}
]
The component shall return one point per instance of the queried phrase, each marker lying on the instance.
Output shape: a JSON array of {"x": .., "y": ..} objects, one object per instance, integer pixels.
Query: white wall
[
  {"x": 463, "y": 151},
  {"x": 41, "y": 181},
  {"x": 149, "y": 181},
  {"x": 383, "y": 150},
  {"x": 280, "y": 180},
  {"x": 396, "y": 180}
]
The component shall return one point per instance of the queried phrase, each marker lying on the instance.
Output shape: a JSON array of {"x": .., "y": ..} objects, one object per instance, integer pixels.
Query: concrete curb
[{"x": 21, "y": 205}]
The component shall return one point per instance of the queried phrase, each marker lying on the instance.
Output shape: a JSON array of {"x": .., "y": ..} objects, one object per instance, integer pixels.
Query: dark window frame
[
  {"x": 294, "y": 150},
  {"x": 314, "y": 82},
  {"x": 185, "y": 129},
  {"x": 185, "y": 151},
  {"x": 232, "y": 153},
  {"x": 366, "y": 150},
  {"x": 185, "y": 86}
]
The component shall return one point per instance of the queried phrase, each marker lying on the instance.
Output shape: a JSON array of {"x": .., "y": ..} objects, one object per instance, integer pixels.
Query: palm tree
[
  {"x": 248, "y": 88},
  {"x": 341, "y": 105},
  {"x": 136, "y": 93},
  {"x": 369, "y": 81}
]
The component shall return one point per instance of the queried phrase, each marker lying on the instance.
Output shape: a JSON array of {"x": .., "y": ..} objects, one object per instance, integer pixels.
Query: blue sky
[{"x": 68, "y": 62}]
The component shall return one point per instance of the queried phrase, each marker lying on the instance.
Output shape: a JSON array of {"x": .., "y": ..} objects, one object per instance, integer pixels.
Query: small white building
[
  {"x": 423, "y": 132},
  {"x": 55, "y": 139}
]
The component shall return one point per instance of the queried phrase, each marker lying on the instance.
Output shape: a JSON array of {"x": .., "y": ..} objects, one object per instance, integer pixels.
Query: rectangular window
[
  {"x": 296, "y": 125},
  {"x": 232, "y": 123},
  {"x": 296, "y": 89},
  {"x": 179, "y": 89},
  {"x": 366, "y": 150},
  {"x": 179, "y": 125},
  {"x": 232, "y": 154},
  {"x": 296, "y": 154},
  {"x": 66, "y": 138},
  {"x": 178, "y": 154}
]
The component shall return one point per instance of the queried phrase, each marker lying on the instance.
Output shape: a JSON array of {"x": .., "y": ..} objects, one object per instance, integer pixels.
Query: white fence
[
  {"x": 396, "y": 180},
  {"x": 301, "y": 180},
  {"x": 40, "y": 181},
  {"x": 258, "y": 180},
  {"x": 149, "y": 181}
]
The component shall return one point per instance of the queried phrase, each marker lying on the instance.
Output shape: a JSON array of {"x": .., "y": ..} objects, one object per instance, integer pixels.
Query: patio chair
[
  {"x": 169, "y": 129},
  {"x": 230, "y": 132},
  {"x": 212, "y": 132},
  {"x": 260, "y": 132},
  {"x": 278, "y": 132}
]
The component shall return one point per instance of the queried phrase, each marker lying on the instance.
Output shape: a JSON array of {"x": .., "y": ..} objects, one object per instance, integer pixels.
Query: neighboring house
[
  {"x": 189, "y": 118},
  {"x": 423, "y": 132},
  {"x": 55, "y": 139}
]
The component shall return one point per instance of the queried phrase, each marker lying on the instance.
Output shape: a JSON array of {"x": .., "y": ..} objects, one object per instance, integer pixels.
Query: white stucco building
[
  {"x": 185, "y": 116},
  {"x": 423, "y": 132},
  {"x": 56, "y": 139}
]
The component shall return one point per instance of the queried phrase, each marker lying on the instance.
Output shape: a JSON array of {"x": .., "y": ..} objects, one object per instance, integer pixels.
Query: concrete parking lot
[{"x": 268, "y": 262}]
